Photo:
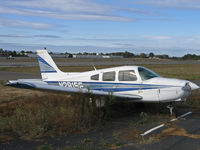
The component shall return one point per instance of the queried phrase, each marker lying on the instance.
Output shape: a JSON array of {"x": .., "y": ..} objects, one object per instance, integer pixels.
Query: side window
[
  {"x": 109, "y": 76},
  {"x": 127, "y": 75},
  {"x": 95, "y": 77}
]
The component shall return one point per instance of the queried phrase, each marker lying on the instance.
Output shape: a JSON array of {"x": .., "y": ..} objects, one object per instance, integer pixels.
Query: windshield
[{"x": 146, "y": 74}]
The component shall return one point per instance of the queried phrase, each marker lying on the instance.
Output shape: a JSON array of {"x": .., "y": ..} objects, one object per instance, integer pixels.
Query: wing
[{"x": 39, "y": 84}]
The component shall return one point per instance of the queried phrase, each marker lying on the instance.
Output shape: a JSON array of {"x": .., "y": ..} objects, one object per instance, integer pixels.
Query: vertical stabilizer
[{"x": 48, "y": 67}]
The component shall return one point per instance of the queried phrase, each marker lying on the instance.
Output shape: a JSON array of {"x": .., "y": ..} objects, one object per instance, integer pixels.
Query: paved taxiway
[
  {"x": 28, "y": 62},
  {"x": 6, "y": 75},
  {"x": 190, "y": 140}
]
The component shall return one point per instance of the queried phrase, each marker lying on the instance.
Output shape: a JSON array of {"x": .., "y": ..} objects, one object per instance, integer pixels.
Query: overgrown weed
[{"x": 51, "y": 114}]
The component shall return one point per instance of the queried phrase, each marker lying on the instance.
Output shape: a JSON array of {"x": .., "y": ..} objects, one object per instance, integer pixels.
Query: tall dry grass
[
  {"x": 38, "y": 115},
  {"x": 49, "y": 114}
]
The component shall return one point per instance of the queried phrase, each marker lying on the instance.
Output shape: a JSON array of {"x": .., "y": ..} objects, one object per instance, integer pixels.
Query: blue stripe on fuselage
[
  {"x": 113, "y": 83},
  {"x": 114, "y": 87}
]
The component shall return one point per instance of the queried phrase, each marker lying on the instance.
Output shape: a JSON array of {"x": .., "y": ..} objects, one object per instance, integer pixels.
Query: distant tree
[
  {"x": 191, "y": 56},
  {"x": 1, "y": 52},
  {"x": 66, "y": 53},
  {"x": 22, "y": 52},
  {"x": 164, "y": 56},
  {"x": 128, "y": 54},
  {"x": 151, "y": 55},
  {"x": 70, "y": 56},
  {"x": 175, "y": 57},
  {"x": 143, "y": 55},
  {"x": 29, "y": 52},
  {"x": 79, "y": 53},
  {"x": 14, "y": 53},
  {"x": 85, "y": 53}
]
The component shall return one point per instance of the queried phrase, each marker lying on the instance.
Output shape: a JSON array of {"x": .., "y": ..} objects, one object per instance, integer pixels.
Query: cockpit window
[
  {"x": 146, "y": 74},
  {"x": 109, "y": 76},
  {"x": 95, "y": 77},
  {"x": 127, "y": 75}
]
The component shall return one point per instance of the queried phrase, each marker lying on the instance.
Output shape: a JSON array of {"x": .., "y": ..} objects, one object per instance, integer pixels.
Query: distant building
[
  {"x": 52, "y": 55},
  {"x": 87, "y": 56},
  {"x": 33, "y": 55},
  {"x": 96, "y": 56}
]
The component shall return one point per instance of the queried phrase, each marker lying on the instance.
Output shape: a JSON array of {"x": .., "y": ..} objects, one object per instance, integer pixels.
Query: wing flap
[{"x": 39, "y": 84}]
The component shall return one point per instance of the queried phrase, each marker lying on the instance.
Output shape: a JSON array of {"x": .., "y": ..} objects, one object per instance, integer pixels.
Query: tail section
[{"x": 48, "y": 67}]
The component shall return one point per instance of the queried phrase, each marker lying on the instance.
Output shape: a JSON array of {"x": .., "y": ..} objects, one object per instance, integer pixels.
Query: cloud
[
  {"x": 158, "y": 37},
  {"x": 75, "y": 6},
  {"x": 65, "y": 9},
  {"x": 13, "y": 36},
  {"x": 47, "y": 36},
  {"x": 29, "y": 36},
  {"x": 122, "y": 45},
  {"x": 63, "y": 5},
  {"x": 142, "y": 42},
  {"x": 174, "y": 4},
  {"x": 175, "y": 46},
  {"x": 23, "y": 24},
  {"x": 69, "y": 10},
  {"x": 100, "y": 39}
]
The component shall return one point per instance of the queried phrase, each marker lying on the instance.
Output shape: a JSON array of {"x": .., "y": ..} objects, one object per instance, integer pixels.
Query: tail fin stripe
[
  {"x": 45, "y": 67},
  {"x": 43, "y": 61},
  {"x": 48, "y": 71}
]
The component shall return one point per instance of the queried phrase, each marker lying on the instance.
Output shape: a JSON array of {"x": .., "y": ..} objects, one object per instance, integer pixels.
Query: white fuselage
[{"x": 129, "y": 80}]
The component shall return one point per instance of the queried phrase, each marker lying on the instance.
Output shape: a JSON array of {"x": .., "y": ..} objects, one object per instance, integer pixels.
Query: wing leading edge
[{"x": 39, "y": 84}]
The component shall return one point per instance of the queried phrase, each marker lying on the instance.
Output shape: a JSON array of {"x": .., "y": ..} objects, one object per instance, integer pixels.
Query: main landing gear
[{"x": 171, "y": 108}]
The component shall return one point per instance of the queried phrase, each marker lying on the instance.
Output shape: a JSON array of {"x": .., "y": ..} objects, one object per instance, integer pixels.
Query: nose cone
[{"x": 193, "y": 86}]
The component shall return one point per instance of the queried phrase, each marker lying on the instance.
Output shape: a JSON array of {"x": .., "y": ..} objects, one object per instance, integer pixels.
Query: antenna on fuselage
[{"x": 94, "y": 67}]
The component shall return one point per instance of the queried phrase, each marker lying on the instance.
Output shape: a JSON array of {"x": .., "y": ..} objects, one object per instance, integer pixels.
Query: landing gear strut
[{"x": 170, "y": 107}]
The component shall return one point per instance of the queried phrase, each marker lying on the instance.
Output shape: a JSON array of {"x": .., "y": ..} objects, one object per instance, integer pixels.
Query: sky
[{"x": 139, "y": 26}]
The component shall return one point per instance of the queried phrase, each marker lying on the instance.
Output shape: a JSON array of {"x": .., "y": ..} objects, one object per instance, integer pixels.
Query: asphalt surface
[
  {"x": 6, "y": 75},
  {"x": 102, "y": 136},
  {"x": 191, "y": 125}
]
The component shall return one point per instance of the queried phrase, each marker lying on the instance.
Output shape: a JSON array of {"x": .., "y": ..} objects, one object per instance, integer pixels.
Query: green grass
[
  {"x": 76, "y": 148},
  {"x": 180, "y": 71},
  {"x": 86, "y": 141},
  {"x": 44, "y": 147}
]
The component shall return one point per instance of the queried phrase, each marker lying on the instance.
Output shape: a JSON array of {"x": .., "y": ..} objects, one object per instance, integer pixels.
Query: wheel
[{"x": 100, "y": 102}]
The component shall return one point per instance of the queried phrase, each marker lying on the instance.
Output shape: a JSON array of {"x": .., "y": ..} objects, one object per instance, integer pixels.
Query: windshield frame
[{"x": 146, "y": 74}]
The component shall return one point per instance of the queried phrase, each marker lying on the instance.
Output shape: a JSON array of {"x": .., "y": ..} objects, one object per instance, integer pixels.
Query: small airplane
[
  {"x": 10, "y": 57},
  {"x": 135, "y": 83}
]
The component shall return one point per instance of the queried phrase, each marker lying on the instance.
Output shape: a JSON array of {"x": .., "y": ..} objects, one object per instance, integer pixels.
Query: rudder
[{"x": 48, "y": 68}]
